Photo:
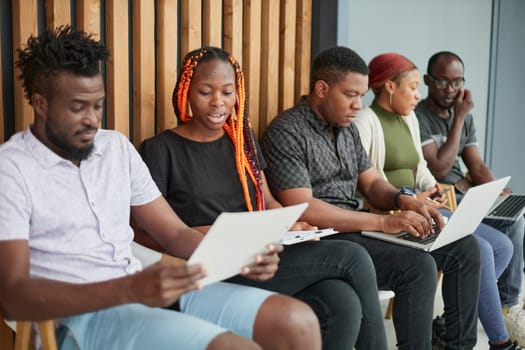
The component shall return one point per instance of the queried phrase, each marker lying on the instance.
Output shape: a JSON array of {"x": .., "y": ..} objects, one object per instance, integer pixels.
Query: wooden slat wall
[
  {"x": 24, "y": 25},
  {"x": 270, "y": 38}
]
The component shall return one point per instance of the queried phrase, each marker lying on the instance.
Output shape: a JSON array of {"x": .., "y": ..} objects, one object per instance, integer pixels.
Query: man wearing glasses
[{"x": 448, "y": 133}]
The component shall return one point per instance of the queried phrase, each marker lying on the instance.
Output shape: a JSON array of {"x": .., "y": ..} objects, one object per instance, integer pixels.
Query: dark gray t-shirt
[
  {"x": 301, "y": 152},
  {"x": 433, "y": 128}
]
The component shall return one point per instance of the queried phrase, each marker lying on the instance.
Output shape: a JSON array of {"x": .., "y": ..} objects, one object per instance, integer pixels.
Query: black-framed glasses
[{"x": 442, "y": 84}]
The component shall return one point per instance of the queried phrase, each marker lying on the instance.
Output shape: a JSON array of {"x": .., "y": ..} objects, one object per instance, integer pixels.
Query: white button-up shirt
[{"x": 76, "y": 219}]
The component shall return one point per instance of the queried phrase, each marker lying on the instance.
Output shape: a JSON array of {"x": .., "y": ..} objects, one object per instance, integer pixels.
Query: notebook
[
  {"x": 469, "y": 213},
  {"x": 293, "y": 237},
  {"x": 510, "y": 207},
  {"x": 235, "y": 239}
]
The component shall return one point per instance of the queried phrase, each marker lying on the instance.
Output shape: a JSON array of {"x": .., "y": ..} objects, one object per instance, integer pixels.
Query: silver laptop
[
  {"x": 235, "y": 239},
  {"x": 510, "y": 207},
  {"x": 469, "y": 213}
]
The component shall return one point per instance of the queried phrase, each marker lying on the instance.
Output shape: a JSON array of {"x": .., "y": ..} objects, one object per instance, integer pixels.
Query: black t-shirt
[{"x": 198, "y": 179}]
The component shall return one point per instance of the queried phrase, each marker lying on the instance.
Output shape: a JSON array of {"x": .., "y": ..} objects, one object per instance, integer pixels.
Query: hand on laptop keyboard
[{"x": 410, "y": 221}]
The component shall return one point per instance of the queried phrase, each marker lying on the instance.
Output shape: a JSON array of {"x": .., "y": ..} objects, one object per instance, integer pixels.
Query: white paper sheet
[{"x": 236, "y": 238}]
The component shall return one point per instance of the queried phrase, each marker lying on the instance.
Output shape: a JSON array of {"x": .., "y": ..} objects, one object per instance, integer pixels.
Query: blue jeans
[
  {"x": 509, "y": 283},
  {"x": 338, "y": 281},
  {"x": 412, "y": 275}
]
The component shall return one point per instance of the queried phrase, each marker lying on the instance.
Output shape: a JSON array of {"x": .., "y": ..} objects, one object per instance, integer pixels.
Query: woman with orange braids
[{"x": 211, "y": 163}]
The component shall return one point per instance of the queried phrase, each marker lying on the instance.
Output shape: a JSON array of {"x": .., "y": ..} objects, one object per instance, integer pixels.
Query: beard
[{"x": 69, "y": 151}]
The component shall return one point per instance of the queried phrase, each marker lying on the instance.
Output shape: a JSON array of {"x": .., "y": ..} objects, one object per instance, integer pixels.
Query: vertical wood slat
[
  {"x": 143, "y": 70},
  {"x": 252, "y": 59},
  {"x": 269, "y": 94},
  {"x": 212, "y": 23},
  {"x": 88, "y": 17},
  {"x": 303, "y": 48},
  {"x": 287, "y": 56},
  {"x": 233, "y": 28},
  {"x": 167, "y": 61},
  {"x": 58, "y": 12},
  {"x": 191, "y": 20},
  {"x": 117, "y": 66},
  {"x": 24, "y": 25}
]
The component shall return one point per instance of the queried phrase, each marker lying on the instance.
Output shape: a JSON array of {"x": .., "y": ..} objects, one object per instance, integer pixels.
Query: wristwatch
[{"x": 407, "y": 191}]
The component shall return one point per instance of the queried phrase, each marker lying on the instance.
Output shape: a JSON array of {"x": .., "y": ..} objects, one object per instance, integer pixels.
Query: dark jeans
[
  {"x": 412, "y": 275},
  {"x": 337, "y": 280}
]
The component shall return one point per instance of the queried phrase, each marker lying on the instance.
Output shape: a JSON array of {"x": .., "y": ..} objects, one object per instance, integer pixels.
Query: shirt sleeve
[
  {"x": 471, "y": 139},
  {"x": 143, "y": 188},
  {"x": 155, "y": 156}
]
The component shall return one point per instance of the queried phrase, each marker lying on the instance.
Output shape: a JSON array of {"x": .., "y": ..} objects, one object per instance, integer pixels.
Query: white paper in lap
[{"x": 235, "y": 239}]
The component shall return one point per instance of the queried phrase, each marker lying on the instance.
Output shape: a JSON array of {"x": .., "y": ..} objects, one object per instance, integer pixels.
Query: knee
[
  {"x": 352, "y": 257},
  {"x": 468, "y": 249},
  {"x": 335, "y": 303},
  {"x": 424, "y": 271},
  {"x": 287, "y": 323}
]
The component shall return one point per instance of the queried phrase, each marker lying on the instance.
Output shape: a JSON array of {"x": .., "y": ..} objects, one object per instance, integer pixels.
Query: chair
[{"x": 24, "y": 339}]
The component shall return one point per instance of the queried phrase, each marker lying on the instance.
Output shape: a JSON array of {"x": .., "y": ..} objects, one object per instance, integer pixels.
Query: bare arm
[
  {"x": 441, "y": 160},
  {"x": 165, "y": 227},
  {"x": 26, "y": 298},
  {"x": 323, "y": 214},
  {"x": 478, "y": 170}
]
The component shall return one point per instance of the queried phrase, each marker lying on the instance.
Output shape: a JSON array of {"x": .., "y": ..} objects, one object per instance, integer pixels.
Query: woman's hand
[{"x": 429, "y": 197}]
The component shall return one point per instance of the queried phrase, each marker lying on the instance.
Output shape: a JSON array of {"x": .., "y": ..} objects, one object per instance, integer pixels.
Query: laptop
[
  {"x": 235, "y": 239},
  {"x": 509, "y": 207},
  {"x": 465, "y": 219}
]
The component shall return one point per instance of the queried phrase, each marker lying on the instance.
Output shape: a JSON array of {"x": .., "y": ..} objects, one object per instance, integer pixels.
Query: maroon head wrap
[{"x": 387, "y": 66}]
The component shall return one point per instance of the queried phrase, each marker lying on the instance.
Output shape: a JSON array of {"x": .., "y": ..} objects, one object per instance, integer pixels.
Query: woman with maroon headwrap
[{"x": 390, "y": 134}]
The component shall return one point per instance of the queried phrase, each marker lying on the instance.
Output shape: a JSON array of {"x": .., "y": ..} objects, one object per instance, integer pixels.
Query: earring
[{"x": 390, "y": 97}]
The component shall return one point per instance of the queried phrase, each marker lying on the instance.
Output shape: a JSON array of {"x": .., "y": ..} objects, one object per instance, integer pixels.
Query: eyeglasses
[{"x": 442, "y": 84}]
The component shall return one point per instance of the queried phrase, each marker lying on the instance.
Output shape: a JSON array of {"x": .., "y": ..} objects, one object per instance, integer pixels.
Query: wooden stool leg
[
  {"x": 23, "y": 335},
  {"x": 47, "y": 335}
]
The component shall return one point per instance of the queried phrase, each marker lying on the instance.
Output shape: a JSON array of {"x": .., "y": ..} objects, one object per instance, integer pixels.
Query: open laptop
[
  {"x": 235, "y": 239},
  {"x": 469, "y": 213},
  {"x": 509, "y": 207}
]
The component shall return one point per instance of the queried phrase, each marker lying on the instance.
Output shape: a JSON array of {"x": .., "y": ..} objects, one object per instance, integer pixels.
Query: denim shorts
[{"x": 215, "y": 309}]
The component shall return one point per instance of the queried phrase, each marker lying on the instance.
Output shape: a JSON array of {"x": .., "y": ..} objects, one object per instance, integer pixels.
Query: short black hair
[
  {"x": 57, "y": 51},
  {"x": 333, "y": 64},
  {"x": 435, "y": 57}
]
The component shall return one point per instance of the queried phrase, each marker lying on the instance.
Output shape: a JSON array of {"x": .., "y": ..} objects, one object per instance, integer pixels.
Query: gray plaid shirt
[{"x": 301, "y": 151}]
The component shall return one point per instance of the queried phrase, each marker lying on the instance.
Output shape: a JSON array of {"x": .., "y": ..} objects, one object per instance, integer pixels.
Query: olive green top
[{"x": 401, "y": 158}]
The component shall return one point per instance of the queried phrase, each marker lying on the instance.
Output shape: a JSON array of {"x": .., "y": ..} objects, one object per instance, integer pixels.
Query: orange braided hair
[{"x": 236, "y": 126}]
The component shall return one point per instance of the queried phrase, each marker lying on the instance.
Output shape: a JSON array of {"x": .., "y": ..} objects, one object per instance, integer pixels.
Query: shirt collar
[
  {"x": 45, "y": 156},
  {"x": 318, "y": 122}
]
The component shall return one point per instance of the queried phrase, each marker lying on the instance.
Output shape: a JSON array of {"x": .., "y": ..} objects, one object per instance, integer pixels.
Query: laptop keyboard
[
  {"x": 423, "y": 240},
  {"x": 510, "y": 207}
]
